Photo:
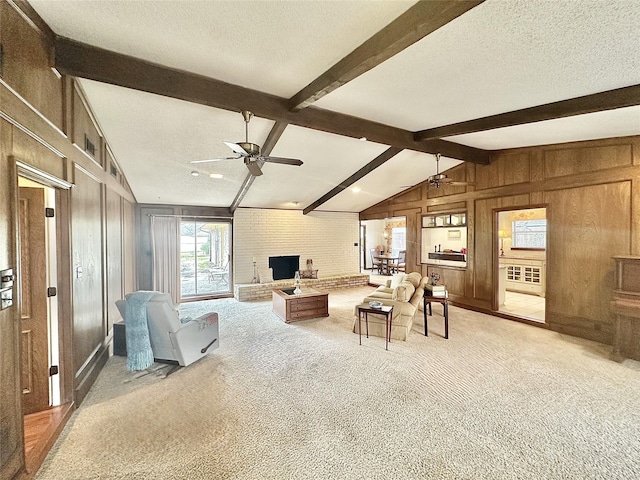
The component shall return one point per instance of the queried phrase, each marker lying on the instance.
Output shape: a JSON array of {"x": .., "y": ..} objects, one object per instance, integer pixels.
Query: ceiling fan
[
  {"x": 250, "y": 152},
  {"x": 441, "y": 179}
]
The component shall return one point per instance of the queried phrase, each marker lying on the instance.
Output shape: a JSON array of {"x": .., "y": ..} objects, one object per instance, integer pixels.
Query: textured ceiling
[
  {"x": 500, "y": 56},
  {"x": 276, "y": 47}
]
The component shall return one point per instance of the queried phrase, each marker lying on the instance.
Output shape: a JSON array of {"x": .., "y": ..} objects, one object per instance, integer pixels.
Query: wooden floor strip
[{"x": 41, "y": 430}]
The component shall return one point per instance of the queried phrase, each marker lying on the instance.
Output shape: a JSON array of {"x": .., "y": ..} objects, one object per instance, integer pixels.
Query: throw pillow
[
  {"x": 397, "y": 280},
  {"x": 415, "y": 278},
  {"x": 399, "y": 294},
  {"x": 409, "y": 290},
  {"x": 403, "y": 292}
]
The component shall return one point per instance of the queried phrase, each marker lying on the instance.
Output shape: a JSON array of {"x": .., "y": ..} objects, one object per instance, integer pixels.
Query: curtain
[{"x": 166, "y": 264}]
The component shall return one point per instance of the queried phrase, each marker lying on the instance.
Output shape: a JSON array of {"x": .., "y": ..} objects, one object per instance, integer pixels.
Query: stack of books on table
[{"x": 435, "y": 290}]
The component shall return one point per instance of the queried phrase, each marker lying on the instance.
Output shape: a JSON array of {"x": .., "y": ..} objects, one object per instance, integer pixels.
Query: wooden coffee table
[{"x": 310, "y": 303}]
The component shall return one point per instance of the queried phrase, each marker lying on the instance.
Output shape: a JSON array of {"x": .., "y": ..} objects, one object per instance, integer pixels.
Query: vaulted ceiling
[{"x": 363, "y": 92}]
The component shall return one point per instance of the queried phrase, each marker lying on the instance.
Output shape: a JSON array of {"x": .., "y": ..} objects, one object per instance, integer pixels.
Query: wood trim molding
[
  {"x": 31, "y": 134},
  {"x": 93, "y": 177},
  {"x": 414, "y": 24},
  {"x": 597, "y": 102},
  {"x": 32, "y": 108},
  {"x": 373, "y": 164},
  {"x": 40, "y": 176},
  {"x": 82, "y": 60}
]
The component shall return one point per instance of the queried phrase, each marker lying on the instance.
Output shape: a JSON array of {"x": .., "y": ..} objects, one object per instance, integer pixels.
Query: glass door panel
[{"x": 205, "y": 251}]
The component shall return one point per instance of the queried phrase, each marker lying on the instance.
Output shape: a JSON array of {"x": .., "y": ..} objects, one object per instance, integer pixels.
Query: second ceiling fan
[
  {"x": 250, "y": 152},
  {"x": 441, "y": 179}
]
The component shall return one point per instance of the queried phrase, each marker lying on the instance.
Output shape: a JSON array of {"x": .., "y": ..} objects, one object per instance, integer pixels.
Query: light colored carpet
[{"x": 498, "y": 400}]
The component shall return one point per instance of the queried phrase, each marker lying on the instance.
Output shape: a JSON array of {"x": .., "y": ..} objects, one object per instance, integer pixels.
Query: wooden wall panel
[
  {"x": 514, "y": 168},
  {"x": 86, "y": 234},
  {"x": 484, "y": 220},
  {"x": 114, "y": 257},
  {"x": 411, "y": 195},
  {"x": 128, "y": 247},
  {"x": 586, "y": 227},
  {"x": 31, "y": 76},
  {"x": 413, "y": 234},
  {"x": 37, "y": 155},
  {"x": 488, "y": 176},
  {"x": 516, "y": 201},
  {"x": 38, "y": 106},
  {"x": 448, "y": 207},
  {"x": 84, "y": 128},
  {"x": 571, "y": 161},
  {"x": 453, "y": 278}
]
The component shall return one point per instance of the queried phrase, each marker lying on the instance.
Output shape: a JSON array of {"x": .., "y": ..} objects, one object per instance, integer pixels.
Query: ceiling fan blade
[
  {"x": 237, "y": 148},
  {"x": 214, "y": 160},
  {"x": 286, "y": 161},
  {"x": 253, "y": 167}
]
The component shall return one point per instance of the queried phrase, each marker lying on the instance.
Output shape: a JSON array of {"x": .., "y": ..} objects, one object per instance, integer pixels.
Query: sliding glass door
[{"x": 205, "y": 254}]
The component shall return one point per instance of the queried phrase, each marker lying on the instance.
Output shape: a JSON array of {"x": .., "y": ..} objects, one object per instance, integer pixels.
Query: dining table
[{"x": 386, "y": 263}]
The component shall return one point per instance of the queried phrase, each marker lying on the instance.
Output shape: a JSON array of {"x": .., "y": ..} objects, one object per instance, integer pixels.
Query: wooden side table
[
  {"x": 387, "y": 312},
  {"x": 445, "y": 305}
]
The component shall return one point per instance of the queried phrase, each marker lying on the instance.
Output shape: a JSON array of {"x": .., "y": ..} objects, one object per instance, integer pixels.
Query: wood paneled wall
[
  {"x": 43, "y": 123},
  {"x": 86, "y": 246},
  {"x": 592, "y": 195}
]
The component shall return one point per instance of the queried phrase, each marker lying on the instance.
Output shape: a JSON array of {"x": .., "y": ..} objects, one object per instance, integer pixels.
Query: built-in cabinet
[
  {"x": 524, "y": 275},
  {"x": 625, "y": 305}
]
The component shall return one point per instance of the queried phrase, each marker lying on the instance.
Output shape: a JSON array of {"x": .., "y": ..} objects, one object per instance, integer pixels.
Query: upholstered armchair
[{"x": 170, "y": 338}]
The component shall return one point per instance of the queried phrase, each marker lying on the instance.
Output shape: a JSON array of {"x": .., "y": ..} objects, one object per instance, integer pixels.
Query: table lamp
[{"x": 502, "y": 234}]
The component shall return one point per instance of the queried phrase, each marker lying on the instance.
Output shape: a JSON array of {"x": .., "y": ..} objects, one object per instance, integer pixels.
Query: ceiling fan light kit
[
  {"x": 250, "y": 152},
  {"x": 441, "y": 179}
]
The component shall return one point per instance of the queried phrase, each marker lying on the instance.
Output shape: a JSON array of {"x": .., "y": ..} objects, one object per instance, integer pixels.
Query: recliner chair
[{"x": 170, "y": 338}]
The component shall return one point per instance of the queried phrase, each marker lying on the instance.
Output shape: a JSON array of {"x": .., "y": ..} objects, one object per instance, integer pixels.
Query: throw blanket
[{"x": 139, "y": 353}]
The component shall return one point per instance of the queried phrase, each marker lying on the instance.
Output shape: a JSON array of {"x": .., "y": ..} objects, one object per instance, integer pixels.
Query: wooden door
[{"x": 33, "y": 301}]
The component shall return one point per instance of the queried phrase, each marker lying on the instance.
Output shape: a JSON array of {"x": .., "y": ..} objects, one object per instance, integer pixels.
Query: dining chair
[
  {"x": 375, "y": 264},
  {"x": 401, "y": 266}
]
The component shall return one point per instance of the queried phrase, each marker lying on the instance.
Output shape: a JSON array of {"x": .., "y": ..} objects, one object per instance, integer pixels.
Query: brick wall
[
  {"x": 261, "y": 291},
  {"x": 326, "y": 237}
]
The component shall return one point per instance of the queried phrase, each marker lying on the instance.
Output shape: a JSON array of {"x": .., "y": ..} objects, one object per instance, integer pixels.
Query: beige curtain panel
[{"x": 166, "y": 262}]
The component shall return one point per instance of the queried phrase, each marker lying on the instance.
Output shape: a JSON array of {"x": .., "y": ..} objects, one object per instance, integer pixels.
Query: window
[
  {"x": 204, "y": 258},
  {"x": 398, "y": 239},
  {"x": 529, "y": 234}
]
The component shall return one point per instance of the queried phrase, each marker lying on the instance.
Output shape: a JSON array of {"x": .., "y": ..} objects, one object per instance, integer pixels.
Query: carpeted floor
[{"x": 498, "y": 400}]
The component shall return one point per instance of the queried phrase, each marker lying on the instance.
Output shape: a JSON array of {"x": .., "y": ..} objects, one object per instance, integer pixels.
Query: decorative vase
[{"x": 296, "y": 283}]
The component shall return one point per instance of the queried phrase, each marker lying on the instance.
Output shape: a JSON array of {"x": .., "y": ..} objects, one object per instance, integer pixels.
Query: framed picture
[{"x": 453, "y": 234}]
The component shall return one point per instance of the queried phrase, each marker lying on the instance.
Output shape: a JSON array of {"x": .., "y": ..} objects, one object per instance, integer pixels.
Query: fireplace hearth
[{"x": 284, "y": 267}]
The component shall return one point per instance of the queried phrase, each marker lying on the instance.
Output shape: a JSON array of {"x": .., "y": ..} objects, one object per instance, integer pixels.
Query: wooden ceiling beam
[
  {"x": 85, "y": 61},
  {"x": 274, "y": 135},
  {"x": 368, "y": 168},
  {"x": 597, "y": 102},
  {"x": 416, "y": 23}
]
